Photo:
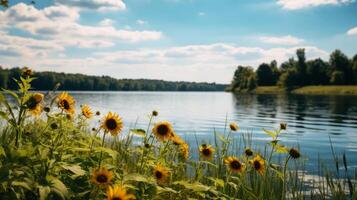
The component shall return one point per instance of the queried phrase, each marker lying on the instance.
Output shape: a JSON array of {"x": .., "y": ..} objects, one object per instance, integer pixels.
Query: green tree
[
  {"x": 318, "y": 72},
  {"x": 301, "y": 67},
  {"x": 354, "y": 68},
  {"x": 289, "y": 79},
  {"x": 339, "y": 62},
  {"x": 337, "y": 78},
  {"x": 264, "y": 75}
]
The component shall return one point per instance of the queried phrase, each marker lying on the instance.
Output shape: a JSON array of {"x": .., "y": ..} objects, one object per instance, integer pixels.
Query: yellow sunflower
[
  {"x": 34, "y": 103},
  {"x": 161, "y": 173},
  {"x": 118, "y": 193},
  {"x": 206, "y": 151},
  {"x": 233, "y": 126},
  {"x": 184, "y": 150},
  {"x": 86, "y": 111},
  {"x": 112, "y": 123},
  {"x": 163, "y": 130},
  {"x": 101, "y": 177},
  {"x": 248, "y": 152},
  {"x": 294, "y": 153},
  {"x": 258, "y": 164},
  {"x": 234, "y": 164},
  {"x": 176, "y": 139},
  {"x": 283, "y": 126},
  {"x": 66, "y": 102}
]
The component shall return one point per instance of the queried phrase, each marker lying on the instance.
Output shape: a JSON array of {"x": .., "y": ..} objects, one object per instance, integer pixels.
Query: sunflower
[
  {"x": 185, "y": 150},
  {"x": 248, "y": 152},
  {"x": 258, "y": 164},
  {"x": 102, "y": 176},
  {"x": 283, "y": 126},
  {"x": 155, "y": 113},
  {"x": 34, "y": 103},
  {"x": 176, "y": 139},
  {"x": 161, "y": 173},
  {"x": 234, "y": 164},
  {"x": 66, "y": 102},
  {"x": 233, "y": 126},
  {"x": 26, "y": 71},
  {"x": 112, "y": 123},
  {"x": 86, "y": 111},
  {"x": 118, "y": 193},
  {"x": 163, "y": 130},
  {"x": 206, "y": 151},
  {"x": 294, "y": 153}
]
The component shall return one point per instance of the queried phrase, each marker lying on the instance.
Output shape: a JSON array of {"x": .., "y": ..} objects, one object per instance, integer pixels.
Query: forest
[
  {"x": 64, "y": 81},
  {"x": 339, "y": 70}
]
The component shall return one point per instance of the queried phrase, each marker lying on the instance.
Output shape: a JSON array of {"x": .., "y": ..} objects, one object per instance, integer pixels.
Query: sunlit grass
[{"x": 57, "y": 154}]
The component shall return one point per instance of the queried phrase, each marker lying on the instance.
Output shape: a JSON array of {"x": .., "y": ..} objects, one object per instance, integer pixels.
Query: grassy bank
[
  {"x": 49, "y": 150},
  {"x": 307, "y": 90}
]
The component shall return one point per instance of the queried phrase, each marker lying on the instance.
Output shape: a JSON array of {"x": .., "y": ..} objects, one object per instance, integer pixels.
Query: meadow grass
[{"x": 48, "y": 150}]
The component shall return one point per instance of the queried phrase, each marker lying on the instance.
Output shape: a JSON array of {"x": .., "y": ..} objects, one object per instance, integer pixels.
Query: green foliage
[
  {"x": 244, "y": 78},
  {"x": 47, "y": 80},
  {"x": 337, "y": 78}
]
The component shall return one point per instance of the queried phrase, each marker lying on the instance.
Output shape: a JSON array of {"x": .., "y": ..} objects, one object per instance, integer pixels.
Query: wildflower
[
  {"x": 248, "y": 152},
  {"x": 283, "y": 126},
  {"x": 101, "y": 177},
  {"x": 54, "y": 126},
  {"x": 47, "y": 109},
  {"x": 185, "y": 150},
  {"x": 86, "y": 111},
  {"x": 155, "y": 113},
  {"x": 147, "y": 145},
  {"x": 234, "y": 164},
  {"x": 294, "y": 153},
  {"x": 206, "y": 151},
  {"x": 176, "y": 139},
  {"x": 258, "y": 164},
  {"x": 33, "y": 104},
  {"x": 233, "y": 126},
  {"x": 93, "y": 129},
  {"x": 163, "y": 130},
  {"x": 97, "y": 113},
  {"x": 66, "y": 102},
  {"x": 118, "y": 193},
  {"x": 69, "y": 116},
  {"x": 26, "y": 71},
  {"x": 161, "y": 173},
  {"x": 112, "y": 123}
]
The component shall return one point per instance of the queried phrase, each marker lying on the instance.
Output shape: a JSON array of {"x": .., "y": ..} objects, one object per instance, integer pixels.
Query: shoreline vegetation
[
  {"x": 306, "y": 90},
  {"x": 338, "y": 76},
  {"x": 49, "y": 150}
]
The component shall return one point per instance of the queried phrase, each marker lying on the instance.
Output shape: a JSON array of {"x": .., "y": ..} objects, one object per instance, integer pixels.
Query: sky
[{"x": 177, "y": 40}]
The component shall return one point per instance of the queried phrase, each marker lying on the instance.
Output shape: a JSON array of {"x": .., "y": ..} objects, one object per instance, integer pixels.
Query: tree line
[
  {"x": 48, "y": 80},
  {"x": 339, "y": 70}
]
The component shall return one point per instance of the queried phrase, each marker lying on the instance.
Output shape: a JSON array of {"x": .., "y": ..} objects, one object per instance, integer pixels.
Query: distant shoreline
[{"x": 306, "y": 90}]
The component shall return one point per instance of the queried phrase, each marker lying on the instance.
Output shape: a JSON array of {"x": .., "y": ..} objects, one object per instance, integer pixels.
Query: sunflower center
[
  {"x": 257, "y": 165},
  {"x": 158, "y": 175},
  {"x": 206, "y": 152},
  {"x": 111, "y": 124},
  {"x": 31, "y": 103},
  {"x": 162, "y": 130},
  {"x": 235, "y": 164},
  {"x": 116, "y": 198},
  {"x": 102, "y": 178},
  {"x": 65, "y": 104}
]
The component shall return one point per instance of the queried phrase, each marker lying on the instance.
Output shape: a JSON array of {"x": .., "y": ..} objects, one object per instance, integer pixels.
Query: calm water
[{"x": 311, "y": 119}]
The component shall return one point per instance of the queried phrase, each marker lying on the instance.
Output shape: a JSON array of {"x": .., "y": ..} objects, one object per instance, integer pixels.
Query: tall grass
[{"x": 47, "y": 151}]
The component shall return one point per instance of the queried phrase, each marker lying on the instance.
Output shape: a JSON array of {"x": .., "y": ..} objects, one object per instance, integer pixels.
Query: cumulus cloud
[
  {"x": 106, "y": 22},
  {"x": 141, "y": 22},
  {"x": 101, "y": 5},
  {"x": 352, "y": 31},
  {"x": 59, "y": 24},
  {"x": 282, "y": 40},
  {"x": 300, "y": 4}
]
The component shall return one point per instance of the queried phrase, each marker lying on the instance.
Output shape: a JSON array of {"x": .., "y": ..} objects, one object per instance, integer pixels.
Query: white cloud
[
  {"x": 60, "y": 25},
  {"x": 101, "y": 5},
  {"x": 300, "y": 4},
  {"x": 141, "y": 22},
  {"x": 106, "y": 22},
  {"x": 282, "y": 40},
  {"x": 352, "y": 31}
]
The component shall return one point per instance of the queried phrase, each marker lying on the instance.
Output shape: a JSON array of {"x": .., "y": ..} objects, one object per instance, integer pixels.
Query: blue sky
[{"x": 191, "y": 40}]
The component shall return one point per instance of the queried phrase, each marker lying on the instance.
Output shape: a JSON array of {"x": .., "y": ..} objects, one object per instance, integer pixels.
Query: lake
[{"x": 311, "y": 119}]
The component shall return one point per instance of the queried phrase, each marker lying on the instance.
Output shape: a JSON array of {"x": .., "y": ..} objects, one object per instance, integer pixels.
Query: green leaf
[
  {"x": 165, "y": 189},
  {"x": 21, "y": 184},
  {"x": 58, "y": 187},
  {"x": 139, "y": 132},
  {"x": 44, "y": 191},
  {"x": 280, "y": 149},
  {"x": 75, "y": 169},
  {"x": 197, "y": 187},
  {"x": 271, "y": 133},
  {"x": 138, "y": 178},
  {"x": 2, "y": 152},
  {"x": 110, "y": 152}
]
